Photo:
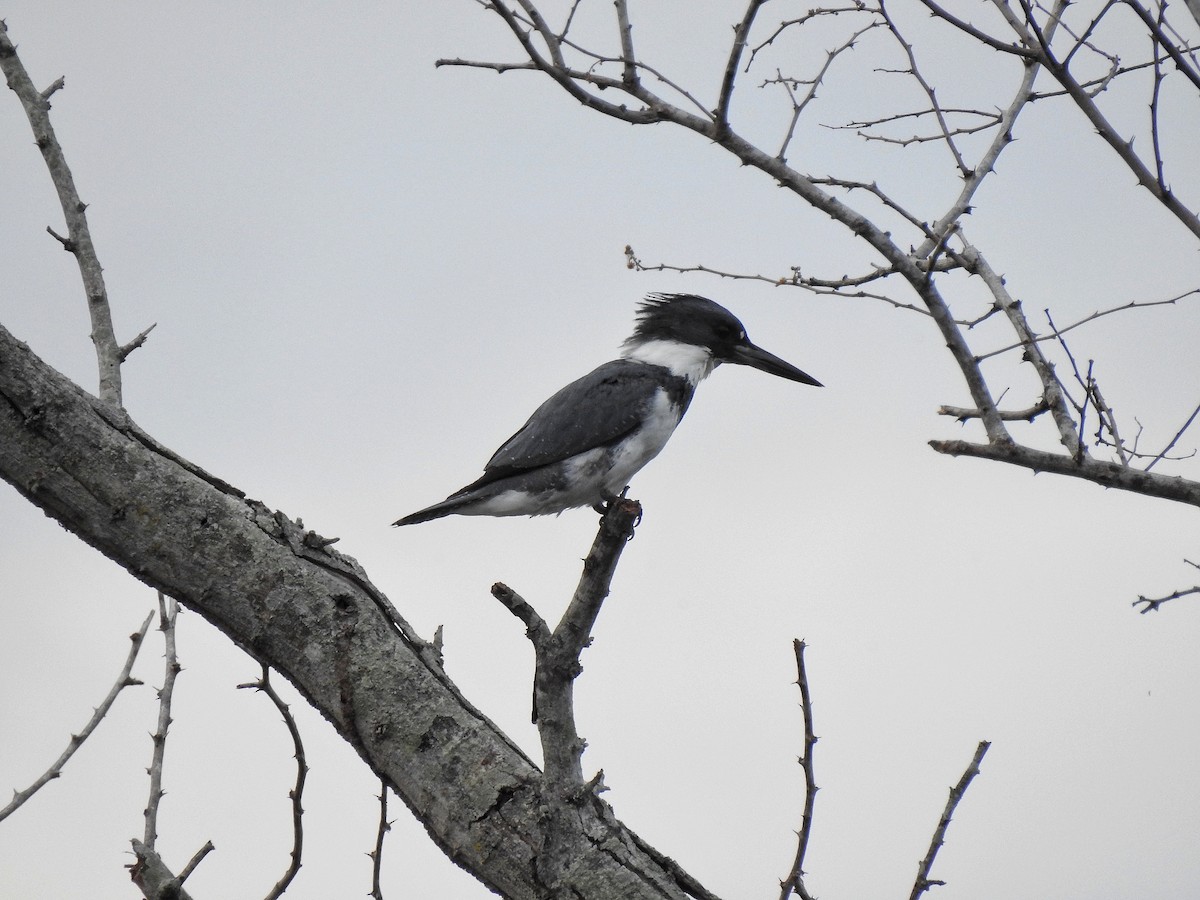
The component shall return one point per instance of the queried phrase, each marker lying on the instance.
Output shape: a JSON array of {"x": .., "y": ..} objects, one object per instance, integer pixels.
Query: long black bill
[{"x": 749, "y": 355}]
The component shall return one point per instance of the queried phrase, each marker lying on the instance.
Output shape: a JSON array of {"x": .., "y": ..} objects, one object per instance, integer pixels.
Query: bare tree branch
[
  {"x": 978, "y": 34},
  {"x": 79, "y": 241},
  {"x": 1056, "y": 333},
  {"x": 935, "y": 108},
  {"x": 155, "y": 880},
  {"x": 1171, "y": 443},
  {"x": 740, "y": 32},
  {"x": 296, "y": 794},
  {"x": 923, "y": 882},
  {"x": 1153, "y": 603},
  {"x": 152, "y": 877},
  {"x": 314, "y": 616},
  {"x": 1123, "y": 147},
  {"x": 123, "y": 681},
  {"x": 1105, "y": 474},
  {"x": 557, "y": 665},
  {"x": 168, "y": 611},
  {"x": 377, "y": 853},
  {"x": 1037, "y": 29},
  {"x": 1008, "y": 415},
  {"x": 197, "y": 858},
  {"x": 794, "y": 883}
]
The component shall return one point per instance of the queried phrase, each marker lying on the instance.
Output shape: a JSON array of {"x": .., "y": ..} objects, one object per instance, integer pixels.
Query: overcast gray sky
[{"x": 366, "y": 273}]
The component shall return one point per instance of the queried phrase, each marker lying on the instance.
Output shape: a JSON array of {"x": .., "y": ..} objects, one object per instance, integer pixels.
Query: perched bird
[{"x": 581, "y": 447}]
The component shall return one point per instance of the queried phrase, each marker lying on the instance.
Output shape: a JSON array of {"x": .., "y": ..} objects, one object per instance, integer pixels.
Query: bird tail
[{"x": 445, "y": 508}]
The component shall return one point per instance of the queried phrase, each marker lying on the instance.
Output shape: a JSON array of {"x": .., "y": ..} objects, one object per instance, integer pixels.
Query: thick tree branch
[{"x": 294, "y": 603}]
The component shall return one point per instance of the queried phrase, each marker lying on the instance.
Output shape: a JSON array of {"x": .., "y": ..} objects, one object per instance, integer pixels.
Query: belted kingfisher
[{"x": 581, "y": 446}]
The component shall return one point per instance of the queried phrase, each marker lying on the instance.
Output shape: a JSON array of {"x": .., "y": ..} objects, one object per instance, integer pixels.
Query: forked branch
[
  {"x": 109, "y": 351},
  {"x": 557, "y": 665}
]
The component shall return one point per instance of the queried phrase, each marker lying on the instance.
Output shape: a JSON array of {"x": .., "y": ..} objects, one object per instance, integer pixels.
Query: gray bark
[{"x": 311, "y": 614}]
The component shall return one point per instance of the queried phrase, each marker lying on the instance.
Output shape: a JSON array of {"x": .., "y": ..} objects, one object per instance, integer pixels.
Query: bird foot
[{"x": 608, "y": 499}]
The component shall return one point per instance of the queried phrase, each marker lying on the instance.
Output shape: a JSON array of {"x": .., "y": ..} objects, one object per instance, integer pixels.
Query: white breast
[{"x": 645, "y": 443}]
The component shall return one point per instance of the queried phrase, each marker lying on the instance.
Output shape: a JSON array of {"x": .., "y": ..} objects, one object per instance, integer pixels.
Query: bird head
[{"x": 673, "y": 329}]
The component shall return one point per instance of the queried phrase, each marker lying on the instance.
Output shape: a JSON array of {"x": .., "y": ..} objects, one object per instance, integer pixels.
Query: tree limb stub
[{"x": 313, "y": 616}]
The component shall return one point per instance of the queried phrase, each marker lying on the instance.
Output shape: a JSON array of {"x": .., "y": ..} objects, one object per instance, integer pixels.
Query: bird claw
[{"x": 608, "y": 499}]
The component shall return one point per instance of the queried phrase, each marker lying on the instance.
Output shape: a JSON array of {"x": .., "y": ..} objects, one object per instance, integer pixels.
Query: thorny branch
[
  {"x": 168, "y": 611},
  {"x": 149, "y": 872},
  {"x": 110, "y": 353},
  {"x": 794, "y": 883},
  {"x": 376, "y": 854},
  {"x": 124, "y": 680},
  {"x": 296, "y": 794},
  {"x": 923, "y": 881}
]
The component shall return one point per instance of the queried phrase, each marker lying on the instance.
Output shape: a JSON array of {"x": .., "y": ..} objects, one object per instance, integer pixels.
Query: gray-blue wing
[{"x": 598, "y": 409}]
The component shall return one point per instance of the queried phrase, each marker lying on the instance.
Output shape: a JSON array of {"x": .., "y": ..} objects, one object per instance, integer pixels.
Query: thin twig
[
  {"x": 795, "y": 880},
  {"x": 296, "y": 794},
  {"x": 928, "y": 90},
  {"x": 123, "y": 681},
  {"x": 1153, "y": 603},
  {"x": 740, "y": 32},
  {"x": 923, "y": 882},
  {"x": 197, "y": 858},
  {"x": 1165, "y": 450},
  {"x": 838, "y": 287},
  {"x": 377, "y": 854},
  {"x": 1098, "y": 314},
  {"x": 168, "y": 610},
  {"x": 1122, "y": 146},
  {"x": 1008, "y": 415}
]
